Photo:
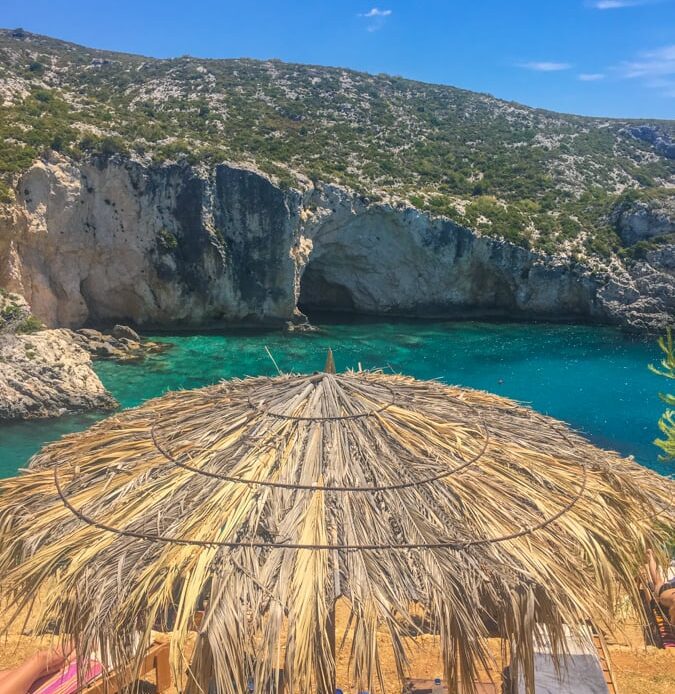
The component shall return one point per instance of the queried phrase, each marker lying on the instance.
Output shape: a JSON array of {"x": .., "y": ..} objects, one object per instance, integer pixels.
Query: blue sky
[{"x": 595, "y": 57}]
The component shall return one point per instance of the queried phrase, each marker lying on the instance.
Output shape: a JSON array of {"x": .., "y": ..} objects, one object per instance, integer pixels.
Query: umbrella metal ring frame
[
  {"x": 450, "y": 544},
  {"x": 333, "y": 488}
]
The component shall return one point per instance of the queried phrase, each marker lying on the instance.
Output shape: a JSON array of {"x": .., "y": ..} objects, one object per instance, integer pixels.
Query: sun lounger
[
  {"x": 420, "y": 686},
  {"x": 65, "y": 682},
  {"x": 585, "y": 670},
  {"x": 663, "y": 632},
  {"x": 99, "y": 682}
]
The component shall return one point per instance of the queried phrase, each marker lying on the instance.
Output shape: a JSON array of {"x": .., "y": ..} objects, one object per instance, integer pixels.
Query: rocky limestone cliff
[
  {"x": 114, "y": 239},
  {"x": 380, "y": 259}
]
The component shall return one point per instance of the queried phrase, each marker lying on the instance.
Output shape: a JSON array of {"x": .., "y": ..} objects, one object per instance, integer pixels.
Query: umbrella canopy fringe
[{"x": 420, "y": 507}]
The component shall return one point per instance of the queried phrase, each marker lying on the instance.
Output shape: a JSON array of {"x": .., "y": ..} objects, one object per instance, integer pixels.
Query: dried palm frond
[{"x": 271, "y": 497}]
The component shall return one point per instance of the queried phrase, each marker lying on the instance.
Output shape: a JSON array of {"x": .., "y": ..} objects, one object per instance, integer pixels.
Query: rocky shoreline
[
  {"x": 122, "y": 344},
  {"x": 48, "y": 372}
]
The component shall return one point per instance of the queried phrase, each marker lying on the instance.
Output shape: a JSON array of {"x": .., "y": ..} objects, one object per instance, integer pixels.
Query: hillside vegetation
[{"x": 534, "y": 177}]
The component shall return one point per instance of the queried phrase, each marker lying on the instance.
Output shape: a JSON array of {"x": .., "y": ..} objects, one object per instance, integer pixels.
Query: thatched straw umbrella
[{"x": 274, "y": 496}]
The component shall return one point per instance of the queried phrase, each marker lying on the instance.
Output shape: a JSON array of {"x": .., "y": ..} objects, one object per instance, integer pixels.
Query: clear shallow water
[{"x": 596, "y": 379}]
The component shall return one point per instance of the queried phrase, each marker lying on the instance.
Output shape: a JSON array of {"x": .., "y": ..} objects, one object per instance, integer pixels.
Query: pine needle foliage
[{"x": 414, "y": 502}]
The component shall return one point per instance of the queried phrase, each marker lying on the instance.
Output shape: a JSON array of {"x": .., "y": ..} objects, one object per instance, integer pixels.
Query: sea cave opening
[{"x": 320, "y": 293}]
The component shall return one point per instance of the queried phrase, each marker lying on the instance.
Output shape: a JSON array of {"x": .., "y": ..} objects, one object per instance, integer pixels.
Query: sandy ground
[{"x": 638, "y": 669}]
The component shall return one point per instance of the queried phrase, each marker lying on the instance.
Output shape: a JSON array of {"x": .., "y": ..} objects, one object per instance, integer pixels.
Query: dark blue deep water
[{"x": 596, "y": 379}]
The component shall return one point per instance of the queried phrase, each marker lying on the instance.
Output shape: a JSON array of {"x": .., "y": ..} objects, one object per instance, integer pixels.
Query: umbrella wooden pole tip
[{"x": 329, "y": 366}]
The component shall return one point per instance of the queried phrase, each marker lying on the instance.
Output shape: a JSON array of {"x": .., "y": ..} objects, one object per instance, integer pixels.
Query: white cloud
[
  {"x": 618, "y": 4},
  {"x": 376, "y": 18},
  {"x": 545, "y": 66},
  {"x": 376, "y": 12},
  {"x": 655, "y": 68},
  {"x": 654, "y": 63},
  {"x": 591, "y": 76}
]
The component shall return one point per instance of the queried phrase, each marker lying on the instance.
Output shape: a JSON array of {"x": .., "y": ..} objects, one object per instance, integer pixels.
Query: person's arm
[{"x": 18, "y": 680}]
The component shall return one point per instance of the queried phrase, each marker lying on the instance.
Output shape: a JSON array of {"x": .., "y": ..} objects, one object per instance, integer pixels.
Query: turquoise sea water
[{"x": 596, "y": 379}]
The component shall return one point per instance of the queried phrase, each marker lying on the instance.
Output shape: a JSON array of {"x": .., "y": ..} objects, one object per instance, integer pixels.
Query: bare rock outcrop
[
  {"x": 380, "y": 259},
  {"x": 640, "y": 220},
  {"x": 47, "y": 374},
  {"x": 124, "y": 332},
  {"x": 663, "y": 144},
  {"x": 123, "y": 344}
]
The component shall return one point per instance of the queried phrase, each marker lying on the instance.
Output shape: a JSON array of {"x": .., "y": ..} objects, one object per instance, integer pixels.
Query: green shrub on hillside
[
  {"x": 6, "y": 193},
  {"x": 531, "y": 176},
  {"x": 167, "y": 241},
  {"x": 30, "y": 325}
]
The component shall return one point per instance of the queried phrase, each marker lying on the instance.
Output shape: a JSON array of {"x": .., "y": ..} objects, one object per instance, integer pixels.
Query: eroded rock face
[
  {"x": 642, "y": 220},
  {"x": 655, "y": 136},
  {"x": 46, "y": 375},
  {"x": 118, "y": 241},
  {"x": 124, "y": 332},
  {"x": 381, "y": 260}
]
